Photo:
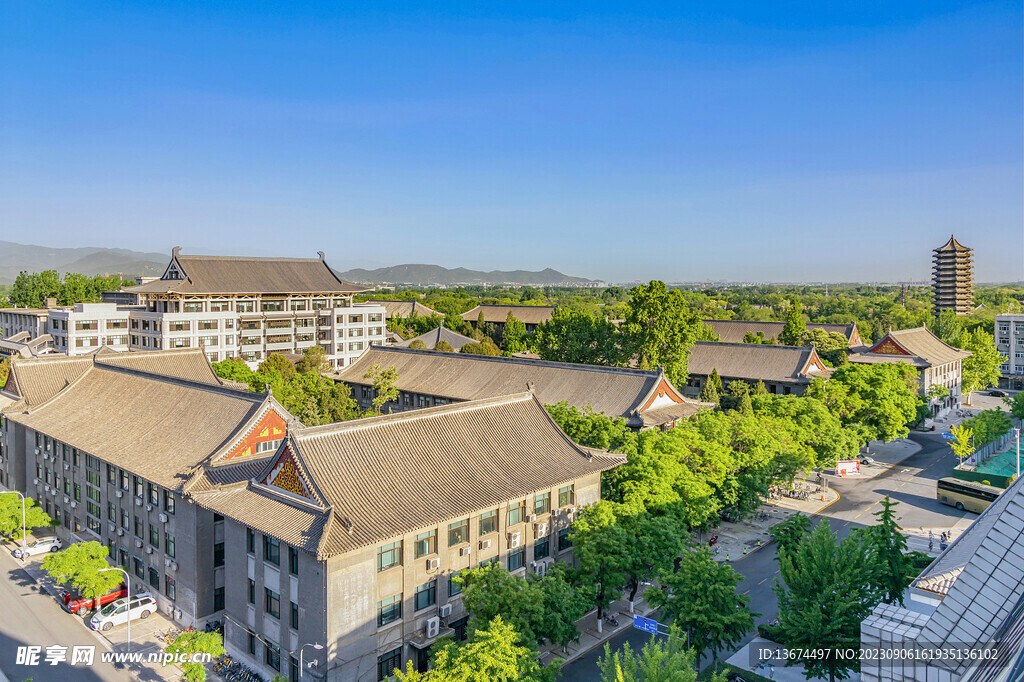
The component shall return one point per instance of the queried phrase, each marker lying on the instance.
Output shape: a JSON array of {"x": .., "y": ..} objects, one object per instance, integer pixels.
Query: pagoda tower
[{"x": 952, "y": 278}]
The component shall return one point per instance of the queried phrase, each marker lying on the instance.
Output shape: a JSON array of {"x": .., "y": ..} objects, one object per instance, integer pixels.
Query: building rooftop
[
  {"x": 615, "y": 391},
  {"x": 442, "y": 333},
  {"x": 917, "y": 347},
  {"x": 753, "y": 361},
  {"x": 335, "y": 488},
  {"x": 952, "y": 245},
  {"x": 529, "y": 314},
  {"x": 246, "y": 275},
  {"x": 404, "y": 308}
]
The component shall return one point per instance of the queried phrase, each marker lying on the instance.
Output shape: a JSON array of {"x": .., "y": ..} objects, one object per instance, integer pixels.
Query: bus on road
[{"x": 975, "y": 497}]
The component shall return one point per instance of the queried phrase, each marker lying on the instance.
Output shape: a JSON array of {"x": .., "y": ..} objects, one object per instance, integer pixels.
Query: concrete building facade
[{"x": 1009, "y": 333}]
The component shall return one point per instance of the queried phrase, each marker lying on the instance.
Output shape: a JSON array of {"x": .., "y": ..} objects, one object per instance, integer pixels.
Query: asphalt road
[
  {"x": 28, "y": 617},
  {"x": 911, "y": 483}
]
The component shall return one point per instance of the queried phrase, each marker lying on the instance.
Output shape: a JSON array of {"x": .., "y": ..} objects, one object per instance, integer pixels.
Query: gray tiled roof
[
  {"x": 246, "y": 275},
  {"x": 615, "y": 391},
  {"x": 733, "y": 331},
  {"x": 404, "y": 308},
  {"x": 925, "y": 349},
  {"x": 385, "y": 476},
  {"x": 529, "y": 314},
  {"x": 753, "y": 361},
  {"x": 442, "y": 333}
]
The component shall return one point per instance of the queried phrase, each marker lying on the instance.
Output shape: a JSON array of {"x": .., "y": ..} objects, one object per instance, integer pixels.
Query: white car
[
  {"x": 117, "y": 612},
  {"x": 41, "y": 546}
]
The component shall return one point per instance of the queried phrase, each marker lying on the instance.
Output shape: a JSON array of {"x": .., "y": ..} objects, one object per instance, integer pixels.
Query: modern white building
[
  {"x": 16, "y": 320},
  {"x": 252, "y": 307},
  {"x": 85, "y": 327},
  {"x": 1010, "y": 342}
]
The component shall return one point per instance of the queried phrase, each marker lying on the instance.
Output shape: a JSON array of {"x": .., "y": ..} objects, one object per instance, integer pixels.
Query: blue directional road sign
[
  {"x": 948, "y": 436},
  {"x": 645, "y": 624}
]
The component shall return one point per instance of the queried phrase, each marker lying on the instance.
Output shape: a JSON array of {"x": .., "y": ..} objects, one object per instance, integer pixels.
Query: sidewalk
[{"x": 918, "y": 538}]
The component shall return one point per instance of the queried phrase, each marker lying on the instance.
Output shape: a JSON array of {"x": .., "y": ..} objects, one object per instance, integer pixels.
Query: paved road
[
  {"x": 911, "y": 483},
  {"x": 28, "y": 617}
]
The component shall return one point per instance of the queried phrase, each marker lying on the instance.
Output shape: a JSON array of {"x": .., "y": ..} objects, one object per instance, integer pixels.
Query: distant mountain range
[
  {"x": 87, "y": 260},
  {"x": 425, "y": 275}
]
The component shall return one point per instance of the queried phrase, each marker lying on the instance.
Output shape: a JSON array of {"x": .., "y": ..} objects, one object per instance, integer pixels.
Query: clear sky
[{"x": 676, "y": 140}]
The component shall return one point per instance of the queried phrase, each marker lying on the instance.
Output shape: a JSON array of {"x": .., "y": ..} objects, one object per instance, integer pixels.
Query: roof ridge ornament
[
  {"x": 175, "y": 251},
  {"x": 530, "y": 386},
  {"x": 321, "y": 254}
]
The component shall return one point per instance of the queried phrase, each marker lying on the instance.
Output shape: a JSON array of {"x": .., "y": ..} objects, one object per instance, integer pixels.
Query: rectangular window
[
  {"x": 137, "y": 483},
  {"x": 252, "y": 591},
  {"x": 453, "y": 587},
  {"x": 245, "y": 306},
  {"x": 271, "y": 550},
  {"x": 140, "y": 528},
  {"x": 273, "y": 306},
  {"x": 218, "y": 554},
  {"x": 458, "y": 532},
  {"x": 154, "y": 535},
  {"x": 154, "y": 494},
  {"x": 250, "y": 541},
  {"x": 169, "y": 587},
  {"x": 426, "y": 595},
  {"x": 92, "y": 463},
  {"x": 293, "y": 669},
  {"x": 78, "y": 492},
  {"x": 565, "y": 496},
  {"x": 542, "y": 548},
  {"x": 169, "y": 544},
  {"x": 426, "y": 543},
  {"x": 516, "y": 513},
  {"x": 218, "y": 599},
  {"x": 563, "y": 540},
  {"x": 274, "y": 657},
  {"x": 542, "y": 503},
  {"x": 252, "y": 643},
  {"x": 272, "y": 603},
  {"x": 389, "y": 555},
  {"x": 112, "y": 511},
  {"x": 111, "y": 475},
  {"x": 515, "y": 558},
  {"x": 124, "y": 480},
  {"x": 295, "y": 616},
  {"x": 293, "y": 561},
  {"x": 389, "y": 610},
  {"x": 154, "y": 578},
  {"x": 388, "y": 663},
  {"x": 140, "y": 569},
  {"x": 488, "y": 522}
]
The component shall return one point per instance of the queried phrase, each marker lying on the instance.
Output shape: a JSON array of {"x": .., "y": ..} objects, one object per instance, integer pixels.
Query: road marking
[
  {"x": 747, "y": 592},
  {"x": 762, "y": 582},
  {"x": 857, "y": 516}
]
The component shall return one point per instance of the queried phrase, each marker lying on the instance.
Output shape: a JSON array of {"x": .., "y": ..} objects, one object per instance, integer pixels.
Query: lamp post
[
  {"x": 128, "y": 591},
  {"x": 1018, "y": 452},
  {"x": 302, "y": 668}
]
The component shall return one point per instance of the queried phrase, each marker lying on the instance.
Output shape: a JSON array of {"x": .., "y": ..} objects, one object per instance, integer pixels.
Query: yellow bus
[{"x": 975, "y": 497}]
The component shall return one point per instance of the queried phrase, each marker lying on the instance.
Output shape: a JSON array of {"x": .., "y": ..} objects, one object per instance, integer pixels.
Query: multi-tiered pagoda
[{"x": 952, "y": 278}]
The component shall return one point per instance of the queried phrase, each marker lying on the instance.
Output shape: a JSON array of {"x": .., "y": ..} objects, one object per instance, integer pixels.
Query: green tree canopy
[
  {"x": 876, "y": 400},
  {"x": 981, "y": 369},
  {"x": 513, "y": 336},
  {"x": 485, "y": 347},
  {"x": 887, "y": 548},
  {"x": 790, "y": 533},
  {"x": 795, "y": 324},
  {"x": 385, "y": 388},
  {"x": 194, "y": 642},
  {"x": 832, "y": 347},
  {"x": 664, "y": 658},
  {"x": 5, "y": 370},
  {"x": 418, "y": 345},
  {"x": 575, "y": 335},
  {"x": 10, "y": 515},
  {"x": 442, "y": 346},
  {"x": 701, "y": 599},
  {"x": 314, "y": 359},
  {"x": 79, "y": 565},
  {"x": 601, "y": 546},
  {"x": 276, "y": 362}
]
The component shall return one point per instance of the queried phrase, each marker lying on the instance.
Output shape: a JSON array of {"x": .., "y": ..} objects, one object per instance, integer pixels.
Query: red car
[{"x": 78, "y": 604}]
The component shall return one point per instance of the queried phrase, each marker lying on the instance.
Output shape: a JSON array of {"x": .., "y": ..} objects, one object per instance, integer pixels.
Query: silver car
[{"x": 40, "y": 546}]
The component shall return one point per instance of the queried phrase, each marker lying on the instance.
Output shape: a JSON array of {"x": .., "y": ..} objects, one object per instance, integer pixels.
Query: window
[
  {"x": 488, "y": 522},
  {"x": 389, "y": 610},
  {"x": 293, "y": 669},
  {"x": 488, "y": 562},
  {"x": 245, "y": 306},
  {"x": 295, "y": 616},
  {"x": 111, "y": 475},
  {"x": 388, "y": 663},
  {"x": 459, "y": 627},
  {"x": 124, "y": 480},
  {"x": 154, "y": 494},
  {"x": 111, "y": 511},
  {"x": 124, "y": 519},
  {"x": 154, "y": 535},
  {"x": 426, "y": 595},
  {"x": 252, "y": 591},
  {"x": 271, "y": 550},
  {"x": 218, "y": 599},
  {"x": 542, "y": 548},
  {"x": 140, "y": 569},
  {"x": 92, "y": 463},
  {"x": 273, "y": 306},
  {"x": 293, "y": 561},
  {"x": 453, "y": 587},
  {"x": 565, "y": 496},
  {"x": 140, "y": 527},
  {"x": 515, "y": 558},
  {"x": 218, "y": 554},
  {"x": 169, "y": 544},
  {"x": 273, "y": 656},
  {"x": 137, "y": 483},
  {"x": 542, "y": 503},
  {"x": 389, "y": 555},
  {"x": 252, "y": 643},
  {"x": 563, "y": 539},
  {"x": 458, "y": 532},
  {"x": 154, "y": 578},
  {"x": 250, "y": 541},
  {"x": 78, "y": 492},
  {"x": 169, "y": 587},
  {"x": 516, "y": 512},
  {"x": 426, "y": 543},
  {"x": 272, "y": 603}
]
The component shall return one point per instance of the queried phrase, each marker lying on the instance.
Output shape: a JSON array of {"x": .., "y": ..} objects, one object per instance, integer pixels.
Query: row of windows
[{"x": 272, "y": 551}]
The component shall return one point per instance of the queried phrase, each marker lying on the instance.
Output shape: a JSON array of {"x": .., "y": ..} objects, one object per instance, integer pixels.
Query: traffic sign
[
  {"x": 645, "y": 624},
  {"x": 948, "y": 436}
]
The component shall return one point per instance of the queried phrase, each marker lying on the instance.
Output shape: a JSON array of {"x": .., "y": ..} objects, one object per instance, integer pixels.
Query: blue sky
[{"x": 618, "y": 141}]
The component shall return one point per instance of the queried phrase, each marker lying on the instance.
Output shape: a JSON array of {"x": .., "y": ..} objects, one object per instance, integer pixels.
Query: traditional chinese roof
[
  {"x": 246, "y": 275},
  {"x": 733, "y": 331},
  {"x": 497, "y": 314},
  {"x": 442, "y": 333},
  {"x": 615, "y": 391},
  {"x": 335, "y": 488},
  {"x": 917, "y": 347},
  {"x": 753, "y": 361},
  {"x": 404, "y": 308},
  {"x": 952, "y": 245}
]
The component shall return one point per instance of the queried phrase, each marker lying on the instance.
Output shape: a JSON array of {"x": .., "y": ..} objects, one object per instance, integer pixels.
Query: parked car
[
  {"x": 76, "y": 603},
  {"x": 997, "y": 394},
  {"x": 118, "y": 612},
  {"x": 40, "y": 546},
  {"x": 867, "y": 460}
]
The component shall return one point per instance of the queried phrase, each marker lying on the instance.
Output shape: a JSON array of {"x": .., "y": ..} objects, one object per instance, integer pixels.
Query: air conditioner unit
[
  {"x": 149, "y": 507},
  {"x": 542, "y": 568},
  {"x": 38, "y": 450},
  {"x": 149, "y": 550},
  {"x": 513, "y": 540},
  {"x": 533, "y": 518},
  {"x": 138, "y": 501},
  {"x": 464, "y": 551},
  {"x": 433, "y": 627},
  {"x": 542, "y": 529},
  {"x": 53, "y": 492},
  {"x": 485, "y": 544},
  {"x": 433, "y": 564},
  {"x": 113, "y": 528},
  {"x": 162, "y": 517},
  {"x": 120, "y": 493},
  {"x": 47, "y": 488},
  {"x": 66, "y": 466},
  {"x": 66, "y": 499},
  {"x": 138, "y": 543},
  {"x": 74, "y": 504},
  {"x": 173, "y": 566},
  {"x": 570, "y": 511},
  {"x": 35, "y": 481},
  {"x": 445, "y": 610}
]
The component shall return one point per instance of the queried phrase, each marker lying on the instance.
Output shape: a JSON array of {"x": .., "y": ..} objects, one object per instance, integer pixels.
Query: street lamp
[
  {"x": 128, "y": 591},
  {"x": 302, "y": 669},
  {"x": 1018, "y": 452}
]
